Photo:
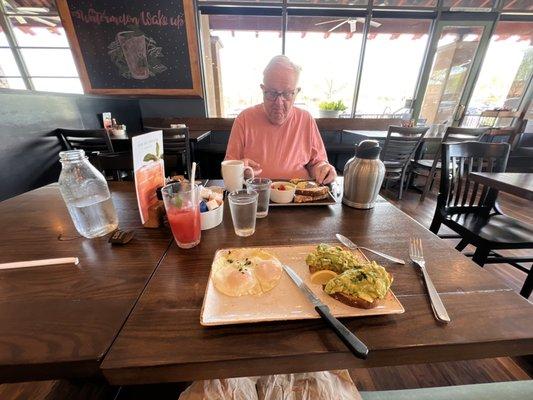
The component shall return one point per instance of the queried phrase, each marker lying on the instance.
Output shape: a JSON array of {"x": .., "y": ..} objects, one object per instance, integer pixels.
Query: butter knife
[
  {"x": 351, "y": 341},
  {"x": 352, "y": 246}
]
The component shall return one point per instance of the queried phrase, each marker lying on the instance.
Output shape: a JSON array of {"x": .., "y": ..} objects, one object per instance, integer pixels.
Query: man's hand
[
  {"x": 254, "y": 165},
  {"x": 325, "y": 173}
]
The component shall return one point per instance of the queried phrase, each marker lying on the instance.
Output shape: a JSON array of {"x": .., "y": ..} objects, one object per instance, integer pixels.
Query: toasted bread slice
[
  {"x": 313, "y": 191},
  {"x": 299, "y": 198},
  {"x": 354, "y": 301}
]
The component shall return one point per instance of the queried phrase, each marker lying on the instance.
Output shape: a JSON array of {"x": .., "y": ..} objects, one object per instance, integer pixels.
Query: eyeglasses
[{"x": 273, "y": 95}]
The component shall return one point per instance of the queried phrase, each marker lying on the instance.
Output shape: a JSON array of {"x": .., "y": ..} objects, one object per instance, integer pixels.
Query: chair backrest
[
  {"x": 457, "y": 192},
  {"x": 116, "y": 161},
  {"x": 456, "y": 134},
  {"x": 402, "y": 143},
  {"x": 175, "y": 146},
  {"x": 89, "y": 140},
  {"x": 509, "y": 135}
]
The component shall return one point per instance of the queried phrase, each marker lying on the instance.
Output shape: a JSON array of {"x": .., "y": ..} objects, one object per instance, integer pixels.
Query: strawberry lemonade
[{"x": 183, "y": 213}]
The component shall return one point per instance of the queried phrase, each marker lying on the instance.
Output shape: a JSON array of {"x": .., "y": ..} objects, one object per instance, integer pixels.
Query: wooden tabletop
[
  {"x": 518, "y": 184},
  {"x": 59, "y": 321},
  {"x": 163, "y": 340}
]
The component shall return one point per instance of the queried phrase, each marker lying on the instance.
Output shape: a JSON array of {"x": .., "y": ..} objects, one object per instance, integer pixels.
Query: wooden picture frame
[{"x": 193, "y": 53}]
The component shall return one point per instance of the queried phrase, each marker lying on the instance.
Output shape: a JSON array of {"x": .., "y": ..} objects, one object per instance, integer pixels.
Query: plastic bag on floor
[
  {"x": 324, "y": 385},
  {"x": 221, "y": 389}
]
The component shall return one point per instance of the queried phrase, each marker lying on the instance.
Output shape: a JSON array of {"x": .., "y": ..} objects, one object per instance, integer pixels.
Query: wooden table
[
  {"x": 59, "y": 321},
  {"x": 163, "y": 341},
  {"x": 194, "y": 136},
  {"x": 518, "y": 184},
  {"x": 123, "y": 143}
]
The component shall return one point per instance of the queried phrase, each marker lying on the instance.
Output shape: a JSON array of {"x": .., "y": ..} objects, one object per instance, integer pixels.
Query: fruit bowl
[{"x": 282, "y": 192}]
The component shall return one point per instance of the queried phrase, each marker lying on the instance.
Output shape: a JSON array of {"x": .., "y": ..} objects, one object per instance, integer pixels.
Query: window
[
  {"x": 313, "y": 43},
  {"x": 42, "y": 44},
  {"x": 406, "y": 3},
  {"x": 499, "y": 87},
  {"x": 456, "y": 49},
  {"x": 236, "y": 50},
  {"x": 393, "y": 57},
  {"x": 480, "y": 4},
  {"x": 518, "y": 5},
  {"x": 10, "y": 77},
  {"x": 331, "y": 2}
]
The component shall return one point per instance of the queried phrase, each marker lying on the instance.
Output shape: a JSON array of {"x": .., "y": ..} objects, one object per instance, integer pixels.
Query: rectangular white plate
[{"x": 284, "y": 302}]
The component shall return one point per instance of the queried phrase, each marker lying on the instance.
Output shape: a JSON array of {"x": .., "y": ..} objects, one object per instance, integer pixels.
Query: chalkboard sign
[{"x": 134, "y": 47}]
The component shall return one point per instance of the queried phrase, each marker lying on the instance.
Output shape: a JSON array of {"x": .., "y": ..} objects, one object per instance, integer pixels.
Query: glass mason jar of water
[{"x": 85, "y": 192}]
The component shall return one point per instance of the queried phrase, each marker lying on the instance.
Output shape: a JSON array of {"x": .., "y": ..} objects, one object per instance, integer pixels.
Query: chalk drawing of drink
[{"x": 133, "y": 46}]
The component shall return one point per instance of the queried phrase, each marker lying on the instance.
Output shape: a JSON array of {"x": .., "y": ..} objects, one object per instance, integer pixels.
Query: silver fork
[{"x": 416, "y": 254}]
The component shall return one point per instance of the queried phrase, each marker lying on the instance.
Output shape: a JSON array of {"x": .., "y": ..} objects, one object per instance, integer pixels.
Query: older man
[{"x": 277, "y": 139}]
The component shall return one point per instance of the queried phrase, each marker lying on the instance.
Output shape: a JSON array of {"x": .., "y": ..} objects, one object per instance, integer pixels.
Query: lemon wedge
[{"x": 322, "y": 277}]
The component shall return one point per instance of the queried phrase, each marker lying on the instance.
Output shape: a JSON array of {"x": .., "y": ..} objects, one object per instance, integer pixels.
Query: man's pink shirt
[{"x": 290, "y": 150}]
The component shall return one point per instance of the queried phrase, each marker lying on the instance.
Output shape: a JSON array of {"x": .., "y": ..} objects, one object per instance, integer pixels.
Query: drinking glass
[
  {"x": 262, "y": 187},
  {"x": 243, "y": 206},
  {"x": 182, "y": 204}
]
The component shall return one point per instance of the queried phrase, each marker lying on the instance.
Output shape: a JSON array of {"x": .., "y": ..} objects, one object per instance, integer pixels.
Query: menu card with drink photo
[{"x": 149, "y": 170}]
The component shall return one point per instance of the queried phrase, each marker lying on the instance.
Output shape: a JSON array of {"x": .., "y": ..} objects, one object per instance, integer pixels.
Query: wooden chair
[
  {"x": 452, "y": 134},
  {"x": 177, "y": 150},
  {"x": 119, "y": 164},
  {"x": 89, "y": 140},
  {"x": 92, "y": 141},
  {"x": 400, "y": 146},
  {"x": 470, "y": 209}
]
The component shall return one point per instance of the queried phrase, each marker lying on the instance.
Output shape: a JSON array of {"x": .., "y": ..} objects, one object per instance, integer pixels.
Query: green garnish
[{"x": 177, "y": 201}]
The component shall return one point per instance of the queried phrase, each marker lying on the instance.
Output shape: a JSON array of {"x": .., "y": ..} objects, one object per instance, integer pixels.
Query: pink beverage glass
[
  {"x": 134, "y": 50},
  {"x": 183, "y": 213}
]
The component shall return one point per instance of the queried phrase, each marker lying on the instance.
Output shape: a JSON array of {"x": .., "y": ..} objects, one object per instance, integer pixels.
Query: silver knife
[
  {"x": 351, "y": 245},
  {"x": 351, "y": 341}
]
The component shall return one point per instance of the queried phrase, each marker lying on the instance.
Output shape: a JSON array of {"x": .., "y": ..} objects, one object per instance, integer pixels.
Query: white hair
[{"x": 282, "y": 61}]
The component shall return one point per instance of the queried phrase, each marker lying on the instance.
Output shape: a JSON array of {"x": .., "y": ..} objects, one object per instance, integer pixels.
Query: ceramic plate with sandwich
[{"x": 300, "y": 192}]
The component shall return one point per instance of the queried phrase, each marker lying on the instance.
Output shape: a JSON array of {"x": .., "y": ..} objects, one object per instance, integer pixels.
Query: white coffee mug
[{"x": 233, "y": 174}]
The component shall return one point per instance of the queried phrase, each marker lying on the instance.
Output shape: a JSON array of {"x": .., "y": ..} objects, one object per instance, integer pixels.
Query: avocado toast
[
  {"x": 334, "y": 258},
  {"x": 360, "y": 287},
  {"x": 358, "y": 283}
]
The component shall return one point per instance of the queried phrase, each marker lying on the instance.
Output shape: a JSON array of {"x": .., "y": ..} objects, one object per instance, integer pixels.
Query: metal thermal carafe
[{"x": 363, "y": 176}]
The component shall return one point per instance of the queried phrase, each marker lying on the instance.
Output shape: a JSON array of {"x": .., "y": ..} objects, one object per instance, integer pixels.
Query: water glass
[
  {"x": 262, "y": 187},
  {"x": 243, "y": 206},
  {"x": 183, "y": 212}
]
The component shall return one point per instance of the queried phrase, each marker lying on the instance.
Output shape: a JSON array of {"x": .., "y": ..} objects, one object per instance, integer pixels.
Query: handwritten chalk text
[{"x": 145, "y": 18}]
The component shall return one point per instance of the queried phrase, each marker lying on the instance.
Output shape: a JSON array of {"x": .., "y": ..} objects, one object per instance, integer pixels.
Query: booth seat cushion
[{"x": 517, "y": 390}]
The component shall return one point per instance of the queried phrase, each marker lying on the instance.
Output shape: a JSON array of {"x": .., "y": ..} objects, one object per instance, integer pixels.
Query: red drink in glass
[
  {"x": 185, "y": 225},
  {"x": 182, "y": 204}
]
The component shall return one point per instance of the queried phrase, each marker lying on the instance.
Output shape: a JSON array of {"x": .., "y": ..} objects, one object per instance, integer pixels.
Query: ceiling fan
[
  {"x": 352, "y": 22},
  {"x": 48, "y": 20}
]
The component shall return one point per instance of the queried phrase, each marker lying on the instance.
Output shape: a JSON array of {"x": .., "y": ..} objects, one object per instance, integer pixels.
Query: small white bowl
[
  {"x": 282, "y": 196},
  {"x": 210, "y": 219}
]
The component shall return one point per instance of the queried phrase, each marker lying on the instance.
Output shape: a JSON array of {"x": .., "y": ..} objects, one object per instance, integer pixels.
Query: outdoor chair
[
  {"x": 471, "y": 210},
  {"x": 400, "y": 146}
]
